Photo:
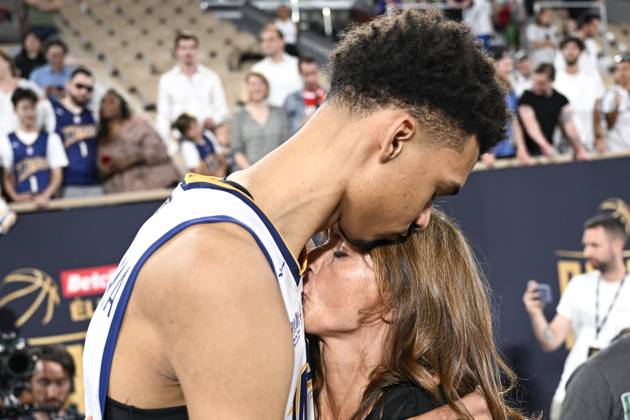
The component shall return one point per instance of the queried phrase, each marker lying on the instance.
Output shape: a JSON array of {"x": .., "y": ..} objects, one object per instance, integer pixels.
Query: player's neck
[
  {"x": 300, "y": 184},
  {"x": 616, "y": 272}
]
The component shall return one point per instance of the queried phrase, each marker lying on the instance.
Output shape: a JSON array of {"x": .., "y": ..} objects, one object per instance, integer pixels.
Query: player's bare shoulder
[{"x": 205, "y": 258}]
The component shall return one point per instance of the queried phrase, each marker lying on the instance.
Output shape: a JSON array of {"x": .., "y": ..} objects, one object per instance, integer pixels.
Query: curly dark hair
[{"x": 428, "y": 65}]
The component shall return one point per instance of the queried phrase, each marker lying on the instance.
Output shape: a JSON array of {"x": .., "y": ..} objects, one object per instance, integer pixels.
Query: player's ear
[{"x": 401, "y": 129}]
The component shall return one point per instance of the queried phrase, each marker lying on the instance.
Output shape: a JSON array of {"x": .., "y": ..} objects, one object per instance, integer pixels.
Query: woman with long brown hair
[{"x": 402, "y": 329}]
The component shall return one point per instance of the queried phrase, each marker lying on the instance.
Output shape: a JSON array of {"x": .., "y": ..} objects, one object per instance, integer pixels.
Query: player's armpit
[{"x": 225, "y": 325}]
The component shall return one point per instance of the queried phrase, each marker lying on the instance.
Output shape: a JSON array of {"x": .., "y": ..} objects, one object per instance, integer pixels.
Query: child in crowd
[
  {"x": 200, "y": 149},
  {"x": 32, "y": 158}
]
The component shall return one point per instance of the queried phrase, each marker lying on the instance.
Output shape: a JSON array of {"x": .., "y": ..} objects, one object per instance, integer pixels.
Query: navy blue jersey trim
[
  {"x": 112, "y": 335},
  {"x": 286, "y": 254}
]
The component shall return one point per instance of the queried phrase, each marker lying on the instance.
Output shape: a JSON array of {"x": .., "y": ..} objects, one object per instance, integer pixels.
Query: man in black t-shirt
[{"x": 540, "y": 110}]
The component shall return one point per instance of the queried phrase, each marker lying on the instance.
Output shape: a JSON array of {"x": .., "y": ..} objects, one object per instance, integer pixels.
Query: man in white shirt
[
  {"x": 190, "y": 88},
  {"x": 594, "y": 305},
  {"x": 616, "y": 109},
  {"x": 583, "y": 89},
  {"x": 279, "y": 68},
  {"x": 588, "y": 28}
]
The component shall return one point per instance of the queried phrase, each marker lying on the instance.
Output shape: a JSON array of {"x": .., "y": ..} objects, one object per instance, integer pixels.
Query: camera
[{"x": 16, "y": 367}]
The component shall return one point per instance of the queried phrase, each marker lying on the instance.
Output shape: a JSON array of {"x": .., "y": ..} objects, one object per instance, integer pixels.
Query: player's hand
[
  {"x": 474, "y": 403},
  {"x": 531, "y": 299}
]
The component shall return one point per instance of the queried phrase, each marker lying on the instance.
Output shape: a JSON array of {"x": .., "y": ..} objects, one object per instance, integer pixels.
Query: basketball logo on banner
[{"x": 38, "y": 289}]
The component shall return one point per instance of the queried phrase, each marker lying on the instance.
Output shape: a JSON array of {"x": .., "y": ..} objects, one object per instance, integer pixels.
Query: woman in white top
[
  {"x": 288, "y": 28},
  {"x": 541, "y": 39}
]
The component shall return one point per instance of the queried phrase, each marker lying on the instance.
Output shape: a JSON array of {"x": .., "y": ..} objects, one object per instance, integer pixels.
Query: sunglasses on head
[{"x": 89, "y": 88}]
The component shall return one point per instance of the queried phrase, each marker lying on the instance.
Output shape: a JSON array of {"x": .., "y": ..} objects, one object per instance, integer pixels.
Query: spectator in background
[
  {"x": 71, "y": 118},
  {"x": 616, "y": 109},
  {"x": 40, "y": 16},
  {"x": 288, "y": 28},
  {"x": 201, "y": 151},
  {"x": 593, "y": 307},
  {"x": 279, "y": 68},
  {"x": 522, "y": 76},
  {"x": 541, "y": 110},
  {"x": 478, "y": 15},
  {"x": 541, "y": 38},
  {"x": 52, "y": 382},
  {"x": 584, "y": 90},
  {"x": 600, "y": 387},
  {"x": 8, "y": 83},
  {"x": 131, "y": 156},
  {"x": 53, "y": 76},
  {"x": 190, "y": 88},
  {"x": 30, "y": 56},
  {"x": 513, "y": 145},
  {"x": 32, "y": 159},
  {"x": 588, "y": 28},
  {"x": 258, "y": 127},
  {"x": 300, "y": 105}
]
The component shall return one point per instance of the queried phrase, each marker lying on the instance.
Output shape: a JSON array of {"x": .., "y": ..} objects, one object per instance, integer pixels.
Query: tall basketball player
[{"x": 203, "y": 318}]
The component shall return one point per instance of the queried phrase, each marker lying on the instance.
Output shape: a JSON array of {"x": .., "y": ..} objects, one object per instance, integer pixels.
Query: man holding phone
[{"x": 593, "y": 306}]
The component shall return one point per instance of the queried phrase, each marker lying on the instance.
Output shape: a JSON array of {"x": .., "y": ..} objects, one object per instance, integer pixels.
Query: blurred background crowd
[{"x": 111, "y": 96}]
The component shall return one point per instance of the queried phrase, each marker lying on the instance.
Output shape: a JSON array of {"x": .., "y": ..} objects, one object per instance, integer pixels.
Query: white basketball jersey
[{"x": 198, "y": 199}]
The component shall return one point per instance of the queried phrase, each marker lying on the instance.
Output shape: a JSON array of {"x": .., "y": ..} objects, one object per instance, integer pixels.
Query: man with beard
[
  {"x": 52, "y": 383},
  {"x": 74, "y": 122},
  {"x": 593, "y": 307}
]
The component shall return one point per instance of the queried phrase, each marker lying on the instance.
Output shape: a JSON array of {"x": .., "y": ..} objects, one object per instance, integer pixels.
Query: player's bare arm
[{"x": 213, "y": 328}]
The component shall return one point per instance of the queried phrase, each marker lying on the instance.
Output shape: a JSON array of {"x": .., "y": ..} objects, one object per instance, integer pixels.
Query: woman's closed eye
[{"x": 339, "y": 254}]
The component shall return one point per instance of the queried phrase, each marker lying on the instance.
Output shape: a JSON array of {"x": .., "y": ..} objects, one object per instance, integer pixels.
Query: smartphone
[{"x": 544, "y": 293}]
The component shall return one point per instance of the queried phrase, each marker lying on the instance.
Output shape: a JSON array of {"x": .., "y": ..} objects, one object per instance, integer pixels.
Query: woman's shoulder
[{"x": 402, "y": 401}]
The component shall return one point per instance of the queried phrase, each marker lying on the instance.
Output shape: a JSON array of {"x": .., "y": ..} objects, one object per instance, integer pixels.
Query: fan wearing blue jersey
[
  {"x": 203, "y": 317},
  {"x": 201, "y": 151},
  {"x": 32, "y": 158},
  {"x": 74, "y": 122}
]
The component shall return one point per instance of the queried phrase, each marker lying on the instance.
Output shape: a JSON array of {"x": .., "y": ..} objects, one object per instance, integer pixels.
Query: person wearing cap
[
  {"x": 593, "y": 306},
  {"x": 616, "y": 108}
]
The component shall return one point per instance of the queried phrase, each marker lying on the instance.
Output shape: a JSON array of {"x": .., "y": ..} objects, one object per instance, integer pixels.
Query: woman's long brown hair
[{"x": 441, "y": 323}]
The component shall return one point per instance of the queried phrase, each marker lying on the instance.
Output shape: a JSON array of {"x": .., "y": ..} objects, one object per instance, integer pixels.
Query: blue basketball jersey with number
[
  {"x": 199, "y": 199},
  {"x": 78, "y": 133},
  {"x": 30, "y": 164}
]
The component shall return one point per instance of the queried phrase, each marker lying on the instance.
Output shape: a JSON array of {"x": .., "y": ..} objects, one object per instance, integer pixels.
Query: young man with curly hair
[{"x": 214, "y": 326}]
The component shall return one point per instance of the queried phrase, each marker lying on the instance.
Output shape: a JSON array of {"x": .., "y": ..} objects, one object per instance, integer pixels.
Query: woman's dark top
[
  {"x": 403, "y": 401},
  {"x": 119, "y": 411},
  {"x": 26, "y": 65}
]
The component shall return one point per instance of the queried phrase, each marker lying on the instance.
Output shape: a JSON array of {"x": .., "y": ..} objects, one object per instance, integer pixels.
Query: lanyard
[{"x": 598, "y": 326}]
